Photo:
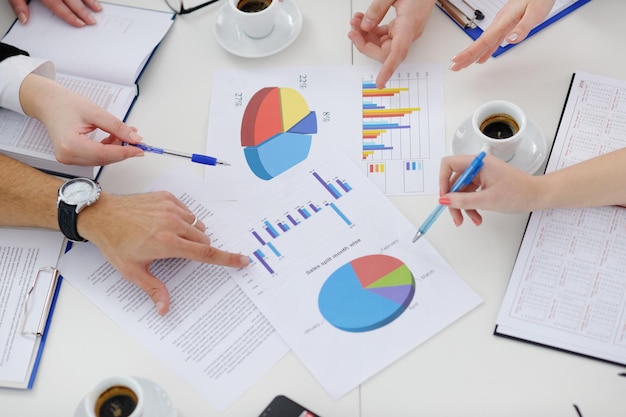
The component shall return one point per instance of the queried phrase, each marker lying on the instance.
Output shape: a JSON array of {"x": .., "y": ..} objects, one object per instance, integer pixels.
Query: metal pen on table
[
  {"x": 195, "y": 157},
  {"x": 466, "y": 177}
]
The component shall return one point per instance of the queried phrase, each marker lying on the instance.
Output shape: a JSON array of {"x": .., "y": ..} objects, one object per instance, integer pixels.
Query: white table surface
[{"x": 464, "y": 370}]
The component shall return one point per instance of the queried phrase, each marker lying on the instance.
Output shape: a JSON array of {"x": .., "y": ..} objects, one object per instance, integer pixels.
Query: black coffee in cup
[
  {"x": 499, "y": 126},
  {"x": 117, "y": 401},
  {"x": 253, "y": 6}
]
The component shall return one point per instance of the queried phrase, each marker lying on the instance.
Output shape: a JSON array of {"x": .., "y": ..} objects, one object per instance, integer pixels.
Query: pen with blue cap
[
  {"x": 195, "y": 157},
  {"x": 466, "y": 177}
]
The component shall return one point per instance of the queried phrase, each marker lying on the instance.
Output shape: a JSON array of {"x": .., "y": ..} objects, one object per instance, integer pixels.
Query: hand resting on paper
[
  {"x": 75, "y": 12},
  {"x": 503, "y": 188},
  {"x": 131, "y": 231},
  {"x": 134, "y": 231}
]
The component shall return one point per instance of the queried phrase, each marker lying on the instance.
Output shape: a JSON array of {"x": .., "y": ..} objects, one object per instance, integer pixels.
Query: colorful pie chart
[
  {"x": 276, "y": 131},
  {"x": 367, "y": 293}
]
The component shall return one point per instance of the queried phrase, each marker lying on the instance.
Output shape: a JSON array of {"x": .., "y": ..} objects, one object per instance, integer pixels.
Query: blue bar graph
[
  {"x": 328, "y": 186},
  {"x": 273, "y": 248},
  {"x": 376, "y": 147},
  {"x": 381, "y": 126},
  {"x": 256, "y": 235},
  {"x": 304, "y": 213},
  {"x": 370, "y": 105},
  {"x": 340, "y": 213},
  {"x": 344, "y": 186},
  {"x": 332, "y": 190},
  {"x": 414, "y": 165},
  {"x": 293, "y": 216},
  {"x": 271, "y": 230},
  {"x": 258, "y": 254}
]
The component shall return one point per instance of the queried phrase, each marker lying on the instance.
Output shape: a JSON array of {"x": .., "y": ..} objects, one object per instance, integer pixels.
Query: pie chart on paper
[
  {"x": 276, "y": 131},
  {"x": 367, "y": 293}
]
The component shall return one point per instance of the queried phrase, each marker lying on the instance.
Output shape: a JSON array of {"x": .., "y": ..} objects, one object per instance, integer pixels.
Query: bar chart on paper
[
  {"x": 403, "y": 129},
  {"x": 268, "y": 239}
]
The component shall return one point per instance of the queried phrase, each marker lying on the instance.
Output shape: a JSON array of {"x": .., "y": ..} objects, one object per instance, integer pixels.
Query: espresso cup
[
  {"x": 500, "y": 125},
  {"x": 256, "y": 18},
  {"x": 118, "y": 396}
]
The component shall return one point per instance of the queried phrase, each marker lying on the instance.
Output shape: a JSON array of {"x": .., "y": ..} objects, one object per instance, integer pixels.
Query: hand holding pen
[
  {"x": 466, "y": 178},
  {"x": 194, "y": 157}
]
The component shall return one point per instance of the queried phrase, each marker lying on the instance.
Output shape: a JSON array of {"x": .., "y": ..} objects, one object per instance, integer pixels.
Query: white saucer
[
  {"x": 234, "y": 40},
  {"x": 531, "y": 153},
  {"x": 157, "y": 404}
]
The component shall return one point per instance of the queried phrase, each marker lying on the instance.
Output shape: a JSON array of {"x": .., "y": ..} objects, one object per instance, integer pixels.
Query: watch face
[{"x": 78, "y": 190}]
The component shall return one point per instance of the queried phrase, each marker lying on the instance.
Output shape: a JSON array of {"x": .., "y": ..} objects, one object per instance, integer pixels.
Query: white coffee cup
[
  {"x": 500, "y": 125},
  {"x": 115, "y": 396},
  {"x": 256, "y": 18}
]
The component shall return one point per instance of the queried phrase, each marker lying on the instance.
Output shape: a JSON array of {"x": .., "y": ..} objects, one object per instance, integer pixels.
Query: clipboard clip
[
  {"x": 458, "y": 16},
  {"x": 47, "y": 301}
]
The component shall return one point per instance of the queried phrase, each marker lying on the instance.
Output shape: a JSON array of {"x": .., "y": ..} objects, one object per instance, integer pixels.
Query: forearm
[
  {"x": 595, "y": 182},
  {"x": 27, "y": 196},
  {"x": 38, "y": 93}
]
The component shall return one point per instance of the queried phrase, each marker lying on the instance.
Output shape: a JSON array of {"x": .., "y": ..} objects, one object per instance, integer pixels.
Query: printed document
[
  {"x": 335, "y": 272},
  {"x": 396, "y": 134},
  {"x": 23, "y": 253},
  {"x": 213, "y": 337}
]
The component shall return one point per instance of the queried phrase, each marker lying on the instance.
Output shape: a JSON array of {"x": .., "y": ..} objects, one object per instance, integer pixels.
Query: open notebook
[
  {"x": 568, "y": 286},
  {"x": 102, "y": 62}
]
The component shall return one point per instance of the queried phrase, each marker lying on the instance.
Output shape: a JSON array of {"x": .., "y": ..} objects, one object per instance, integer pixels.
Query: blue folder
[{"x": 475, "y": 32}]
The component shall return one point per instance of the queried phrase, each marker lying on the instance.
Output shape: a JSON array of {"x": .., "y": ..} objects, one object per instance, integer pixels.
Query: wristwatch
[{"x": 75, "y": 195}]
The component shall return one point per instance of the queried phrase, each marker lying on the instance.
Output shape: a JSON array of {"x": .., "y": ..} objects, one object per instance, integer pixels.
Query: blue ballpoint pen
[
  {"x": 466, "y": 177},
  {"x": 198, "y": 158}
]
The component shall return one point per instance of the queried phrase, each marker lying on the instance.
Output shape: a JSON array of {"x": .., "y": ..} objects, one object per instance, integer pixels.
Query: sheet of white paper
[
  {"x": 114, "y": 50},
  {"x": 214, "y": 337},
  {"x": 325, "y": 225},
  {"x": 265, "y": 121},
  {"x": 22, "y": 253},
  {"x": 568, "y": 287}
]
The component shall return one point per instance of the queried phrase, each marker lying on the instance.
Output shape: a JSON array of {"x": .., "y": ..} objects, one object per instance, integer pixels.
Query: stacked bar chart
[{"x": 397, "y": 133}]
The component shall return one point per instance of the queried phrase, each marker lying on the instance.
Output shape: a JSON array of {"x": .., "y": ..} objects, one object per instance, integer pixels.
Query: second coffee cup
[{"x": 500, "y": 125}]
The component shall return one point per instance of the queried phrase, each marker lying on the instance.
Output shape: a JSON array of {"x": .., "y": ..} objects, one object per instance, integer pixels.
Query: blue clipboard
[
  {"x": 475, "y": 32},
  {"x": 48, "y": 320}
]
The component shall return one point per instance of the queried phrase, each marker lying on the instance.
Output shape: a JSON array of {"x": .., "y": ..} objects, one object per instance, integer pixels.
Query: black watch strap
[{"x": 67, "y": 222}]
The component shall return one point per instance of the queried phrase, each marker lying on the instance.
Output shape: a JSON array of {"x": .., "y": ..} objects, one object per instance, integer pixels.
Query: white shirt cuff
[{"x": 13, "y": 70}]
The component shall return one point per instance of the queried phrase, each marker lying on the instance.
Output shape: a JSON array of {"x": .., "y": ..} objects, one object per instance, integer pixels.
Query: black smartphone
[{"x": 282, "y": 406}]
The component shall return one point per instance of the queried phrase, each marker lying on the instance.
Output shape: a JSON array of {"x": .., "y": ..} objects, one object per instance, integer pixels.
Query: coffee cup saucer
[
  {"x": 232, "y": 38},
  {"x": 157, "y": 402},
  {"x": 531, "y": 153}
]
